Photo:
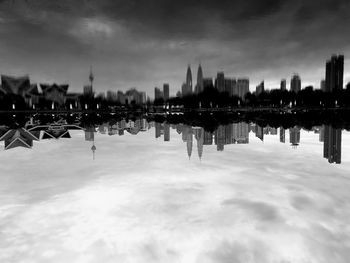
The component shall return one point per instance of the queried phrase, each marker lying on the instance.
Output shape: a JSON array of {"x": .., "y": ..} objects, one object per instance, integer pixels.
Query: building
[
  {"x": 334, "y": 73},
  {"x": 166, "y": 92},
  {"x": 55, "y": 93},
  {"x": 283, "y": 84},
  {"x": 332, "y": 144},
  {"x": 260, "y": 88},
  {"x": 188, "y": 81},
  {"x": 112, "y": 96},
  {"x": 200, "y": 84},
  {"x": 220, "y": 81},
  {"x": 158, "y": 94},
  {"x": 242, "y": 87},
  {"x": 323, "y": 85},
  {"x": 207, "y": 83},
  {"x": 20, "y": 86},
  {"x": 228, "y": 86},
  {"x": 88, "y": 91},
  {"x": 295, "y": 83}
]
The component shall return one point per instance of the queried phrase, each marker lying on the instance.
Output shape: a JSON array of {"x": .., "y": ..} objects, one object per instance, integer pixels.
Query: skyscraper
[
  {"x": 334, "y": 73},
  {"x": 295, "y": 83},
  {"x": 260, "y": 88},
  {"x": 283, "y": 84},
  {"x": 158, "y": 94},
  {"x": 166, "y": 91},
  {"x": 323, "y": 85},
  {"x": 188, "y": 81},
  {"x": 220, "y": 81},
  {"x": 200, "y": 84},
  {"x": 242, "y": 87}
]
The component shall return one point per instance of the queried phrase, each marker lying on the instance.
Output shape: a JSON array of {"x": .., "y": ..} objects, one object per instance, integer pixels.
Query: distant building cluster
[
  {"x": 131, "y": 96},
  {"x": 232, "y": 86},
  {"x": 32, "y": 93}
]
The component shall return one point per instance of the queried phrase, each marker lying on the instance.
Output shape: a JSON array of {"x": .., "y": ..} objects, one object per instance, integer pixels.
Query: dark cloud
[{"x": 135, "y": 42}]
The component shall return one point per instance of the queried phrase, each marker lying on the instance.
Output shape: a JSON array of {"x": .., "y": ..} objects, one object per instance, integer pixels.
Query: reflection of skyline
[{"x": 233, "y": 133}]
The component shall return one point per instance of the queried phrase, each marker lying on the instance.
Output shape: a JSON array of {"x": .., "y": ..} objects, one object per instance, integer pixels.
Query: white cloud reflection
[{"x": 142, "y": 200}]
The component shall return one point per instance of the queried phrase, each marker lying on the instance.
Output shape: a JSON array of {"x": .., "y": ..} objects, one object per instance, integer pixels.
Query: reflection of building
[
  {"x": 282, "y": 135},
  {"x": 199, "y": 135},
  {"x": 90, "y": 133},
  {"x": 19, "y": 138},
  {"x": 259, "y": 132},
  {"x": 220, "y": 137},
  {"x": 294, "y": 136},
  {"x": 208, "y": 138},
  {"x": 166, "y": 132},
  {"x": 332, "y": 144}
]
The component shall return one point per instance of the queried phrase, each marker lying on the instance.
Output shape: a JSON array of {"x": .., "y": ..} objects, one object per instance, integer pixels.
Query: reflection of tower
[
  {"x": 189, "y": 142},
  {"x": 93, "y": 149},
  {"x": 294, "y": 136},
  {"x": 282, "y": 135},
  {"x": 332, "y": 144},
  {"x": 199, "y": 135}
]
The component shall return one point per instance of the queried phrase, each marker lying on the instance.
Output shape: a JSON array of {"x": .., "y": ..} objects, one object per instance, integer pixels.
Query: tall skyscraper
[
  {"x": 323, "y": 85},
  {"x": 260, "y": 88},
  {"x": 166, "y": 91},
  {"x": 295, "y": 83},
  {"x": 200, "y": 84},
  {"x": 188, "y": 81},
  {"x": 229, "y": 86},
  {"x": 283, "y": 84},
  {"x": 242, "y": 87},
  {"x": 334, "y": 73},
  {"x": 332, "y": 144},
  {"x": 220, "y": 81},
  {"x": 158, "y": 94}
]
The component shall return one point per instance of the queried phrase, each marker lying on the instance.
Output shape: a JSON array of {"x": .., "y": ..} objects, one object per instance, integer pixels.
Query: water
[{"x": 175, "y": 193}]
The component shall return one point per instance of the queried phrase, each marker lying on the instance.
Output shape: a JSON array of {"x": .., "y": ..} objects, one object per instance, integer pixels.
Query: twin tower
[{"x": 187, "y": 87}]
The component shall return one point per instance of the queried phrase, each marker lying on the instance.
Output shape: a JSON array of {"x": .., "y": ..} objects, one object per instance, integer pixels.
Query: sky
[
  {"x": 144, "y": 44},
  {"x": 239, "y": 205}
]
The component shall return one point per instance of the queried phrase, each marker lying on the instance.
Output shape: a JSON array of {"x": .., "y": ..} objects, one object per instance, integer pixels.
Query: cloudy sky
[{"x": 143, "y": 44}]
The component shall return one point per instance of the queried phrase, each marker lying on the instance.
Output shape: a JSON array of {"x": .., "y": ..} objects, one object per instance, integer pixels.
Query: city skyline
[{"x": 124, "y": 54}]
